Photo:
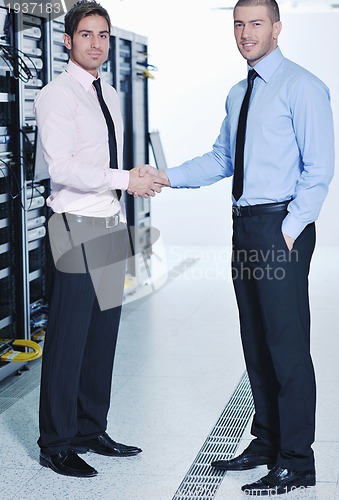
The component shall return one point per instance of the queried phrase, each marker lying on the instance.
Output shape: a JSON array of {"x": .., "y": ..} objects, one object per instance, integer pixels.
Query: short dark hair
[
  {"x": 82, "y": 9},
  {"x": 272, "y": 6}
]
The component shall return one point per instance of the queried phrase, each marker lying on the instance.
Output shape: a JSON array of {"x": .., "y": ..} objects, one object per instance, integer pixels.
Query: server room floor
[{"x": 178, "y": 368}]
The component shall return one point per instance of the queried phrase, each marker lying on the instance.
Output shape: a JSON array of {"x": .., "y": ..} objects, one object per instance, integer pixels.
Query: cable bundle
[
  {"x": 16, "y": 63},
  {"x": 7, "y": 353}
]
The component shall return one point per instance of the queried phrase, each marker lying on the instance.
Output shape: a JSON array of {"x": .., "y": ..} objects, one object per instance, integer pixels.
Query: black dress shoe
[
  {"x": 247, "y": 460},
  {"x": 279, "y": 481},
  {"x": 104, "y": 445},
  {"x": 67, "y": 463}
]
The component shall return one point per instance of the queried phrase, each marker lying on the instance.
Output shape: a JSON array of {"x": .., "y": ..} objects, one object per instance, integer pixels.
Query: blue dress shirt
[{"x": 289, "y": 149}]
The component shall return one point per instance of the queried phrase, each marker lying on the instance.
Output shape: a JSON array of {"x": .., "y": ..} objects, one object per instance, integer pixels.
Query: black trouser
[
  {"x": 80, "y": 343},
  {"x": 271, "y": 286}
]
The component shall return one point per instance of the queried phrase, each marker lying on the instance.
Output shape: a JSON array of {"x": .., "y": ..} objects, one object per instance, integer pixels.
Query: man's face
[
  {"x": 90, "y": 45},
  {"x": 254, "y": 32}
]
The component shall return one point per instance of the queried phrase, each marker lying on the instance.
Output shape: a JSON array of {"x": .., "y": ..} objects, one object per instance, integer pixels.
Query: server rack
[
  {"x": 24, "y": 283},
  {"x": 11, "y": 326},
  {"x": 59, "y": 56},
  {"x": 33, "y": 40},
  {"x": 129, "y": 62}
]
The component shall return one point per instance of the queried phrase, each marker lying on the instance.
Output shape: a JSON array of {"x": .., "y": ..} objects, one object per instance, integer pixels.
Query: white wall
[
  {"x": 309, "y": 40},
  {"x": 194, "y": 50}
]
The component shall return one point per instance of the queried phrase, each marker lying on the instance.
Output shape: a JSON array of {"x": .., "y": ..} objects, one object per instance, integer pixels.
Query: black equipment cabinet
[{"x": 129, "y": 62}]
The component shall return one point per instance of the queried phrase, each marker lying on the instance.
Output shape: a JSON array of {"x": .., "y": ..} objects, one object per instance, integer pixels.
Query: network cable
[
  {"x": 12, "y": 195},
  {"x": 7, "y": 353},
  {"x": 14, "y": 60}
]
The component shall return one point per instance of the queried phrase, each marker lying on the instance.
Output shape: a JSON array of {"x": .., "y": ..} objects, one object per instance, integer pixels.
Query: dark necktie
[
  {"x": 238, "y": 178},
  {"x": 113, "y": 155}
]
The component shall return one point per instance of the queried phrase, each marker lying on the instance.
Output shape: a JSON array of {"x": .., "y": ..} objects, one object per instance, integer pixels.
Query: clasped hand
[{"x": 146, "y": 181}]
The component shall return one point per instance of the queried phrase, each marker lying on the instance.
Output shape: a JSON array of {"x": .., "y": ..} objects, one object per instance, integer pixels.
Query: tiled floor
[{"x": 178, "y": 361}]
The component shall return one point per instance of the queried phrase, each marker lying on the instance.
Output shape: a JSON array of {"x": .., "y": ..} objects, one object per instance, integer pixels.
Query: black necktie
[
  {"x": 113, "y": 155},
  {"x": 238, "y": 178}
]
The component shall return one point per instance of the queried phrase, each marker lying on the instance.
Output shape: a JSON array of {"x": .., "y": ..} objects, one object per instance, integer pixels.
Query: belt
[
  {"x": 267, "y": 208},
  {"x": 106, "y": 222}
]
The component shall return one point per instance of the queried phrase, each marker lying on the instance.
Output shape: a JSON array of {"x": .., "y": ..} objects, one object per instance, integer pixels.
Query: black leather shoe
[
  {"x": 247, "y": 460},
  {"x": 104, "y": 445},
  {"x": 67, "y": 463},
  {"x": 279, "y": 481}
]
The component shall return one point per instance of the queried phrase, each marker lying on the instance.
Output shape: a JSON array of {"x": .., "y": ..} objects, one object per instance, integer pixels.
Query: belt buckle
[
  {"x": 236, "y": 210},
  {"x": 112, "y": 221}
]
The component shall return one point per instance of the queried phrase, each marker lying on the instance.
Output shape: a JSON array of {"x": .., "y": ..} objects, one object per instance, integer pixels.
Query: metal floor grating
[
  {"x": 181, "y": 267},
  {"x": 16, "y": 387},
  {"x": 201, "y": 480}
]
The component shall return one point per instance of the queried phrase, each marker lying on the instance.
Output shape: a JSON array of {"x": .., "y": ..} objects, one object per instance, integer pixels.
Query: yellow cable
[
  {"x": 18, "y": 356},
  {"x": 147, "y": 74}
]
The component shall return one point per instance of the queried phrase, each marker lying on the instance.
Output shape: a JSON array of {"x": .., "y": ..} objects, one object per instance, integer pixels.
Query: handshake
[{"x": 145, "y": 181}]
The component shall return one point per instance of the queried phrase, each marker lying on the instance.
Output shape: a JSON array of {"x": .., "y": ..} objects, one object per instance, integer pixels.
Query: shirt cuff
[
  {"x": 176, "y": 177},
  {"x": 120, "y": 179},
  {"x": 292, "y": 227}
]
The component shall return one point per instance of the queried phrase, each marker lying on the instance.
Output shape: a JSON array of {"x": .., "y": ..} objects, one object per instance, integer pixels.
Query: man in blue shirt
[{"x": 279, "y": 186}]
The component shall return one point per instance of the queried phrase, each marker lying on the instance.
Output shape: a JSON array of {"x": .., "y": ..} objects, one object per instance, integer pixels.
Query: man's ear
[
  {"x": 277, "y": 27},
  {"x": 67, "y": 41}
]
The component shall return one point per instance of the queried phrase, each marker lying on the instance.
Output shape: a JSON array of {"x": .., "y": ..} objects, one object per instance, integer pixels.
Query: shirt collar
[
  {"x": 81, "y": 75},
  {"x": 267, "y": 66}
]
